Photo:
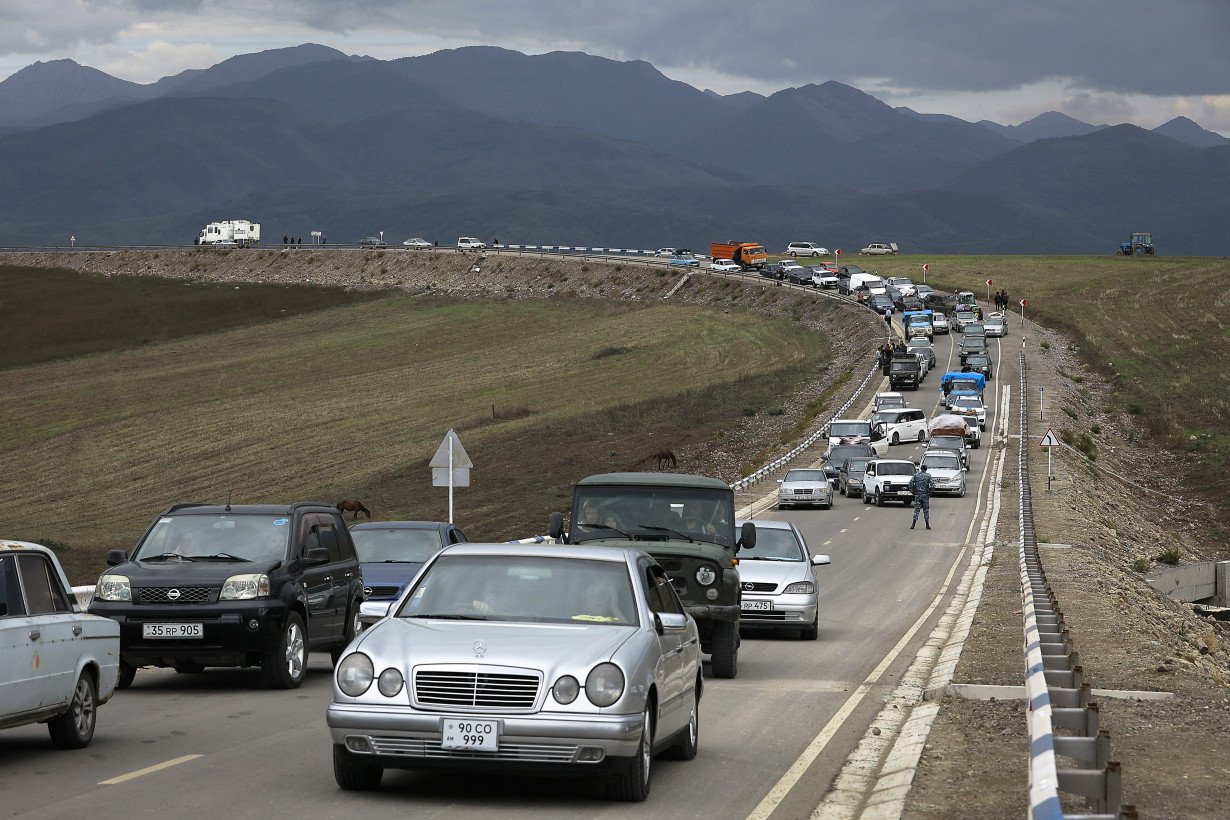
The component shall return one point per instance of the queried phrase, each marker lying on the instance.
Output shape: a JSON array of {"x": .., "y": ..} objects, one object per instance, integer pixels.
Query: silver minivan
[
  {"x": 903, "y": 424},
  {"x": 806, "y": 249}
]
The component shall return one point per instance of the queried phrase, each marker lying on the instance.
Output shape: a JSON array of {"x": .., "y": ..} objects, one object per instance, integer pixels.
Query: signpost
[
  {"x": 1041, "y": 391},
  {"x": 1024, "y": 302},
  {"x": 1050, "y": 443},
  {"x": 926, "y": 267},
  {"x": 988, "y": 290},
  {"x": 450, "y": 467}
]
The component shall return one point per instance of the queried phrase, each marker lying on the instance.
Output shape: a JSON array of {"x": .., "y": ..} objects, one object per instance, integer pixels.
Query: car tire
[
  {"x": 811, "y": 633},
  {"x": 286, "y": 665},
  {"x": 977, "y": 443},
  {"x": 725, "y": 645},
  {"x": 922, "y": 435},
  {"x": 866, "y": 498},
  {"x": 75, "y": 728},
  {"x": 128, "y": 674},
  {"x": 896, "y": 439},
  {"x": 632, "y": 785},
  {"x": 879, "y": 499},
  {"x": 689, "y": 739},
  {"x": 353, "y": 627},
  {"x": 962, "y": 493},
  {"x": 352, "y": 775}
]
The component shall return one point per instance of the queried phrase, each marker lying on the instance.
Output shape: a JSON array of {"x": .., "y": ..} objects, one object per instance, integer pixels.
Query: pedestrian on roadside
[
  {"x": 285, "y": 239},
  {"x": 922, "y": 485},
  {"x": 888, "y": 318}
]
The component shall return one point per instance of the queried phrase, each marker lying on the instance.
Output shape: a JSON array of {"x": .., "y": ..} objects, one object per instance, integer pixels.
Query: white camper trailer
[{"x": 235, "y": 232}]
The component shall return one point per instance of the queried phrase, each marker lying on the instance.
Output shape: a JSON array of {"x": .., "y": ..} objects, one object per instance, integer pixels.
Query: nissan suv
[{"x": 243, "y": 585}]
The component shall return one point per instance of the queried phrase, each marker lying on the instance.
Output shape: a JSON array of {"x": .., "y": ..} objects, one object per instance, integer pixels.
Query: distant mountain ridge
[{"x": 571, "y": 148}]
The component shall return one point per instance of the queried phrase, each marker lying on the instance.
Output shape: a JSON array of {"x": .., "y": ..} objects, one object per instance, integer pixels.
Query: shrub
[
  {"x": 1045, "y": 345},
  {"x": 1170, "y": 555},
  {"x": 1141, "y": 565}
]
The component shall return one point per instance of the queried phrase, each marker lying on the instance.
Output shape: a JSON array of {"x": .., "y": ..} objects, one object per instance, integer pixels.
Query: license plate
[
  {"x": 756, "y": 606},
  {"x": 471, "y": 735},
  {"x": 172, "y": 630}
]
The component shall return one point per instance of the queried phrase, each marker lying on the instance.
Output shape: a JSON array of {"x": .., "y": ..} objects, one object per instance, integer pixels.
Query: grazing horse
[
  {"x": 353, "y": 505},
  {"x": 663, "y": 458}
]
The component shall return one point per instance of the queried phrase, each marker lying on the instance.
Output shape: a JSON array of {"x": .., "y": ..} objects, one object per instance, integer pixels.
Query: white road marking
[
  {"x": 843, "y": 529},
  {"x": 813, "y": 750},
  {"x": 826, "y": 543},
  {"x": 124, "y": 778}
]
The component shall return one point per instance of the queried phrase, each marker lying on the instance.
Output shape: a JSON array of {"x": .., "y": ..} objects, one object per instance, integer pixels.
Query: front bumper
[
  {"x": 788, "y": 612},
  {"x": 897, "y": 494},
  {"x": 791, "y": 499},
  {"x": 400, "y": 737},
  {"x": 228, "y": 635},
  {"x": 712, "y": 612}
]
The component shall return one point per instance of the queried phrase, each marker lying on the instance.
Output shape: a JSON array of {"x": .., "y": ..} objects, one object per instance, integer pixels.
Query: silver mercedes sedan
[{"x": 515, "y": 658}]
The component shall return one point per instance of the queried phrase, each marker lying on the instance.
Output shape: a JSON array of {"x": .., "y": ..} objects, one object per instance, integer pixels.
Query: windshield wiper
[
  {"x": 448, "y": 616},
  {"x": 605, "y": 527},
  {"x": 687, "y": 538},
  {"x": 166, "y": 556},
  {"x": 222, "y": 556}
]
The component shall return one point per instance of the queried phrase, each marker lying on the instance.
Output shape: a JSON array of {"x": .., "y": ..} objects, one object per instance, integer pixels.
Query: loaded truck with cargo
[
  {"x": 239, "y": 232},
  {"x": 747, "y": 254},
  {"x": 687, "y": 523}
]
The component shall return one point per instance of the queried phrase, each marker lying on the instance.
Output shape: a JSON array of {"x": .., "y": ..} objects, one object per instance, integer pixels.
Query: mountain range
[{"x": 568, "y": 148}]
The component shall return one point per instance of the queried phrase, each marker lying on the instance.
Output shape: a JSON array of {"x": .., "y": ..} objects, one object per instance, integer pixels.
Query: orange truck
[{"x": 747, "y": 254}]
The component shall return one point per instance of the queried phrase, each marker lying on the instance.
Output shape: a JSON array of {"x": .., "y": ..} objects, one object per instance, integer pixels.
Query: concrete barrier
[{"x": 1208, "y": 582}]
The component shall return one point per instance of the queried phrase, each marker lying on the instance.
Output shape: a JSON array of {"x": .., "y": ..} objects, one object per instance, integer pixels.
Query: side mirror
[
  {"x": 317, "y": 555},
  {"x": 372, "y": 611},
  {"x": 747, "y": 536},
  {"x": 669, "y": 621},
  {"x": 116, "y": 557},
  {"x": 556, "y": 529},
  {"x": 820, "y": 560}
]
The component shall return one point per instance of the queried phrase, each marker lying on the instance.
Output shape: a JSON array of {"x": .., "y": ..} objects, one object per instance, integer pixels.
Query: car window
[
  {"x": 774, "y": 544},
  {"x": 11, "y": 602},
  {"x": 398, "y": 544},
  {"x": 660, "y": 594},
  {"x": 43, "y": 595}
]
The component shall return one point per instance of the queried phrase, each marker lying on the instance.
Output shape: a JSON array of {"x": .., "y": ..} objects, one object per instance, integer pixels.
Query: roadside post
[
  {"x": 1024, "y": 303},
  {"x": 926, "y": 267},
  {"x": 72, "y": 241},
  {"x": 1041, "y": 391},
  {"x": 988, "y": 290},
  {"x": 450, "y": 467},
  {"x": 1050, "y": 443}
]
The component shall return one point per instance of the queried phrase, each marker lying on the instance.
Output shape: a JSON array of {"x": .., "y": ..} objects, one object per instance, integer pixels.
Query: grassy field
[{"x": 354, "y": 399}]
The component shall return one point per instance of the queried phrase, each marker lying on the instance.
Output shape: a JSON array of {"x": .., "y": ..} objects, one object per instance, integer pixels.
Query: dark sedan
[
  {"x": 391, "y": 554},
  {"x": 879, "y": 302},
  {"x": 980, "y": 363}
]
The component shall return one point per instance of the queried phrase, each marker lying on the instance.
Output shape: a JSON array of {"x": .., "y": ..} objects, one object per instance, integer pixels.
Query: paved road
[{"x": 242, "y": 751}]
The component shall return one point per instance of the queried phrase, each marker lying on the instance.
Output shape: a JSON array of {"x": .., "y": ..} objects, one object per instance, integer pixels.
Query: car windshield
[
  {"x": 941, "y": 462},
  {"x": 395, "y": 544},
  {"x": 918, "y": 344},
  {"x": 948, "y": 442},
  {"x": 653, "y": 514},
  {"x": 843, "y": 429},
  {"x": 773, "y": 544},
  {"x": 967, "y": 401},
  {"x": 857, "y": 465},
  {"x": 898, "y": 364},
  {"x": 532, "y": 589},
  {"x": 806, "y": 475},
  {"x": 893, "y": 468},
  {"x": 222, "y": 537},
  {"x": 977, "y": 360}
]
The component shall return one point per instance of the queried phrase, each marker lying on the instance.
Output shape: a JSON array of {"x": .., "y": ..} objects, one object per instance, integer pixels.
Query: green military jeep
[{"x": 687, "y": 523}]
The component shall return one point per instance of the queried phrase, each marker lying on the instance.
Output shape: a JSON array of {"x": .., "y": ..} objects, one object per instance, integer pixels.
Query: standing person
[
  {"x": 922, "y": 485},
  {"x": 285, "y": 239},
  {"x": 888, "y": 319}
]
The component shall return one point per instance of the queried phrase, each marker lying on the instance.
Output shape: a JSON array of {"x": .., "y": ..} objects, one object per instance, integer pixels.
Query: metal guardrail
[{"x": 1055, "y": 688}]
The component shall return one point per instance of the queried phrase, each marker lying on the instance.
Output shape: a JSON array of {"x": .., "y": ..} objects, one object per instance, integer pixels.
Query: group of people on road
[
  {"x": 885, "y": 354},
  {"x": 292, "y": 240},
  {"x": 1001, "y": 300}
]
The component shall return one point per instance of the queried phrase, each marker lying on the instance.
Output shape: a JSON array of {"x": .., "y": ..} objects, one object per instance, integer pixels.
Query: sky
[{"x": 1101, "y": 61}]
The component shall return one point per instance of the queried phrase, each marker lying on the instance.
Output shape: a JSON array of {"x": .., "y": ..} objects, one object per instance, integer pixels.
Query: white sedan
[
  {"x": 417, "y": 244},
  {"x": 57, "y": 664},
  {"x": 725, "y": 265}
]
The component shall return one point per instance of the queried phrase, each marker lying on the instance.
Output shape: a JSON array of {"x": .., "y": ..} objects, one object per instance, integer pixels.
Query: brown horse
[
  {"x": 353, "y": 505},
  {"x": 663, "y": 458}
]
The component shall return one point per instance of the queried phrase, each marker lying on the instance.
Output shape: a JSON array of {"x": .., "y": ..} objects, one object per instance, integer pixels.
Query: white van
[
  {"x": 908, "y": 424},
  {"x": 469, "y": 243},
  {"x": 806, "y": 249},
  {"x": 873, "y": 283}
]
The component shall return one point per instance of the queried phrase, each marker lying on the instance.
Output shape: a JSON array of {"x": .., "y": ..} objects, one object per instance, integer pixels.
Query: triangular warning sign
[{"x": 1049, "y": 439}]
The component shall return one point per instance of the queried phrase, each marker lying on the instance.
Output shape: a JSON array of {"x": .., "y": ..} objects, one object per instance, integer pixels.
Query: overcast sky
[{"x": 1102, "y": 61}]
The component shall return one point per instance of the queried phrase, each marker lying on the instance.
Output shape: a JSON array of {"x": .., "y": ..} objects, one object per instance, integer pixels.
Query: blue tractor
[{"x": 1141, "y": 244}]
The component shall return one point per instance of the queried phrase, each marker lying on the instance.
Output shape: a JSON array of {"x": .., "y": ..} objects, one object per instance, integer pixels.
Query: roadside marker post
[
  {"x": 1041, "y": 391},
  {"x": 1024, "y": 303},
  {"x": 450, "y": 467},
  {"x": 926, "y": 267},
  {"x": 988, "y": 290},
  {"x": 1050, "y": 443}
]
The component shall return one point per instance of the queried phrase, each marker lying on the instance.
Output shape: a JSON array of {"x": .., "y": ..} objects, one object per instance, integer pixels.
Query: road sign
[
  {"x": 926, "y": 267},
  {"x": 450, "y": 467},
  {"x": 1049, "y": 439},
  {"x": 988, "y": 283},
  {"x": 1024, "y": 303},
  {"x": 837, "y": 252}
]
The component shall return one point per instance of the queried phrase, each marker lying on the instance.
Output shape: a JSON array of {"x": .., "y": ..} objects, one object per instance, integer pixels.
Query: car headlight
[
  {"x": 800, "y": 588},
  {"x": 355, "y": 674},
  {"x": 245, "y": 587},
  {"x": 605, "y": 684},
  {"x": 390, "y": 682},
  {"x": 566, "y": 689},
  {"x": 705, "y": 576},
  {"x": 113, "y": 588}
]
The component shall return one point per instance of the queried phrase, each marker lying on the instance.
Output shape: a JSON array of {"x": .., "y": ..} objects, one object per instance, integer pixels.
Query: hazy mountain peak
[
  {"x": 46, "y": 86},
  {"x": 1185, "y": 130}
]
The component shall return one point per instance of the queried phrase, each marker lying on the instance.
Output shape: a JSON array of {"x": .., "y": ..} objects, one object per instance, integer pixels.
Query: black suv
[{"x": 243, "y": 585}]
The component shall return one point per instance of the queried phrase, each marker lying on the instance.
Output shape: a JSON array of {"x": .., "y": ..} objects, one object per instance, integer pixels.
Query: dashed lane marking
[{"x": 124, "y": 778}]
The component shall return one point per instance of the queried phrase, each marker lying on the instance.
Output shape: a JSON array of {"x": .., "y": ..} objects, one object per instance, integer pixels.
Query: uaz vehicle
[
  {"x": 687, "y": 523},
  {"x": 904, "y": 371},
  {"x": 57, "y": 664},
  {"x": 512, "y": 659},
  {"x": 243, "y": 585}
]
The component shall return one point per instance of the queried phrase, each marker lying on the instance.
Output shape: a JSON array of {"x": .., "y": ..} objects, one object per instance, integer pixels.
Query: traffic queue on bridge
[{"x": 579, "y": 652}]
